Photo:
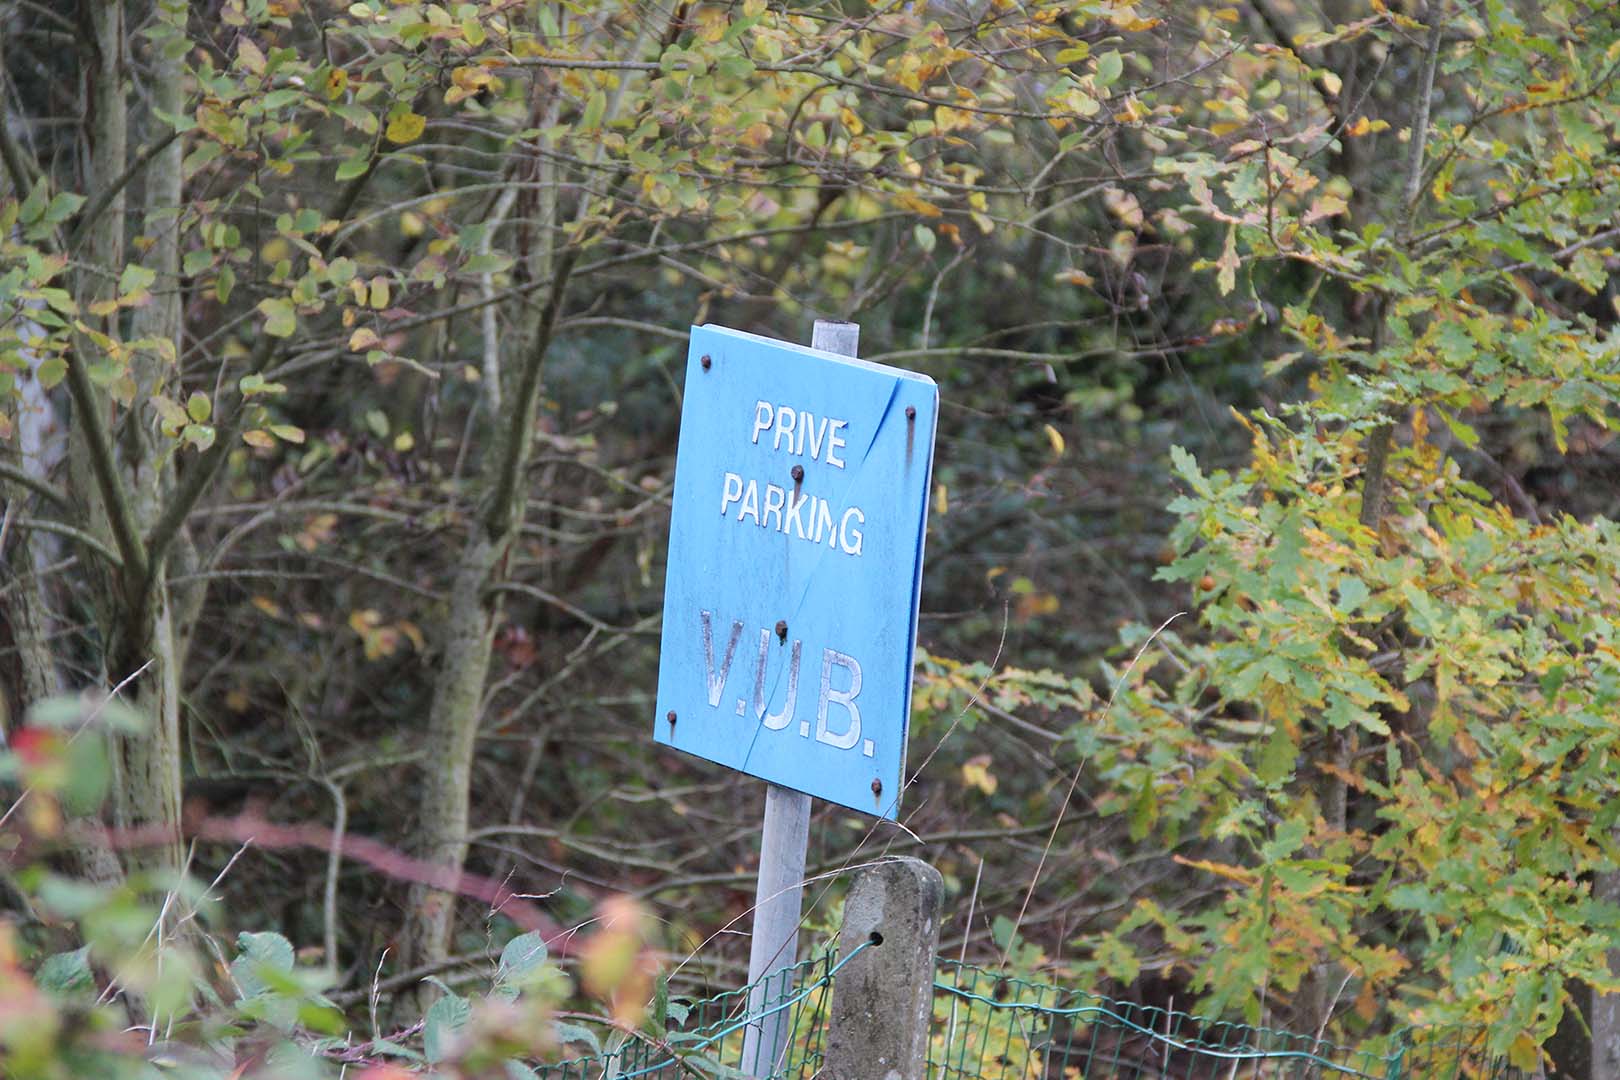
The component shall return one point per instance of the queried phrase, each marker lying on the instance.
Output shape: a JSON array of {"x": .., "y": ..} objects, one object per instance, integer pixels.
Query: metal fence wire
[
  {"x": 987, "y": 1026},
  {"x": 704, "y": 1037},
  {"x": 991, "y": 1027}
]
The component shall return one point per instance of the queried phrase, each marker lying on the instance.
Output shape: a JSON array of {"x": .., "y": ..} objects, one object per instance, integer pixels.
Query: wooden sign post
[{"x": 783, "y": 842}]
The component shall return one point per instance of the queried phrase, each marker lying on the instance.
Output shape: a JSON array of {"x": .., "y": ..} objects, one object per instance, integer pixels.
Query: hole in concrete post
[{"x": 875, "y": 938}]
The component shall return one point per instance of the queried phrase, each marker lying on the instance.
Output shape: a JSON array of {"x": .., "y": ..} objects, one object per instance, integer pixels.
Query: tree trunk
[
  {"x": 151, "y": 765},
  {"x": 469, "y": 637}
]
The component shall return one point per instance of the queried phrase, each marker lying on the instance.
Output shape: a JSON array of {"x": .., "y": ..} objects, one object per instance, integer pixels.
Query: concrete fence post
[{"x": 883, "y": 997}]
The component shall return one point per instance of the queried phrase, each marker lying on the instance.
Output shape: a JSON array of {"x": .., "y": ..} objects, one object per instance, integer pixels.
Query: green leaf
[
  {"x": 1353, "y": 593},
  {"x": 1109, "y": 67},
  {"x": 51, "y": 372},
  {"x": 33, "y": 207},
  {"x": 341, "y": 270},
  {"x": 522, "y": 956},
  {"x": 196, "y": 261},
  {"x": 594, "y": 108},
  {"x": 349, "y": 168},
  {"x": 1277, "y": 757},
  {"x": 63, "y": 206},
  {"x": 924, "y": 236},
  {"x": 198, "y": 407},
  {"x": 281, "y": 318},
  {"x": 89, "y": 776},
  {"x": 135, "y": 279},
  {"x": 444, "y": 1019},
  {"x": 384, "y": 1048},
  {"x": 488, "y": 264},
  {"x": 66, "y": 974},
  {"x": 735, "y": 66},
  {"x": 577, "y": 1033},
  {"x": 224, "y": 284},
  {"x": 259, "y": 956}
]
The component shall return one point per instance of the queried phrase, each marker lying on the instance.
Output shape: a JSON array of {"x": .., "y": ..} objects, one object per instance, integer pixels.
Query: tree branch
[
  {"x": 33, "y": 483},
  {"x": 104, "y": 198},
  {"x": 202, "y": 473},
  {"x": 504, "y": 503},
  {"x": 75, "y": 534},
  {"x": 1419, "y": 135},
  {"x": 1374, "y": 487},
  {"x": 104, "y": 466},
  {"x": 17, "y": 163}
]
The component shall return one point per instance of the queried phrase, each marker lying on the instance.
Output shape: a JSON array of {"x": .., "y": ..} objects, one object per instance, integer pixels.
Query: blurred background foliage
[{"x": 1269, "y": 579}]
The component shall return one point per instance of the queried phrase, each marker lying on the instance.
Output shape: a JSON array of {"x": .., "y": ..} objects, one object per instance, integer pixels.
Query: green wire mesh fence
[
  {"x": 992, "y": 1027},
  {"x": 705, "y": 1038}
]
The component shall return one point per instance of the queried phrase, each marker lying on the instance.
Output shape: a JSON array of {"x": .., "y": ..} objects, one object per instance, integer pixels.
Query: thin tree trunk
[
  {"x": 454, "y": 715},
  {"x": 151, "y": 765}
]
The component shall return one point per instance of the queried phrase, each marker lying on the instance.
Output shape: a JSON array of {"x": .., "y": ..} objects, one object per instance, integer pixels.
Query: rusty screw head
[
  {"x": 670, "y": 716},
  {"x": 877, "y": 787},
  {"x": 798, "y": 473},
  {"x": 781, "y": 629},
  {"x": 911, "y": 412},
  {"x": 707, "y": 361}
]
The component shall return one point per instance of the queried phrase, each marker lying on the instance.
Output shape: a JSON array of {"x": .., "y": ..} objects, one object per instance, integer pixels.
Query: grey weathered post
[
  {"x": 784, "y": 838},
  {"x": 883, "y": 997}
]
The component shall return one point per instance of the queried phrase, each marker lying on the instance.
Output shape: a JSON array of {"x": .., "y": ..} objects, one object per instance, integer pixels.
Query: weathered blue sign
[{"x": 795, "y": 560}]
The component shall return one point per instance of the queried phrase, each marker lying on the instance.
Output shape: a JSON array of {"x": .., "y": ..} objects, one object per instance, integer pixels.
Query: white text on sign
[
  {"x": 826, "y": 697},
  {"x": 790, "y": 510}
]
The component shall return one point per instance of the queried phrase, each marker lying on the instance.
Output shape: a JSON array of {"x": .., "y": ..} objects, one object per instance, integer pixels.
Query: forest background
[{"x": 1269, "y": 615}]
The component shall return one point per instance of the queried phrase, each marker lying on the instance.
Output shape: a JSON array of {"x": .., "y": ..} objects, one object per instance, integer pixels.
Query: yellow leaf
[
  {"x": 911, "y": 202},
  {"x": 363, "y": 339},
  {"x": 976, "y": 773},
  {"x": 942, "y": 500},
  {"x": 267, "y": 605},
  {"x": 379, "y": 293},
  {"x": 337, "y": 81},
  {"x": 1226, "y": 278},
  {"x": 1225, "y": 870},
  {"x": 406, "y": 127},
  {"x": 249, "y": 56},
  {"x": 1055, "y": 437},
  {"x": 947, "y": 119},
  {"x": 261, "y": 439}
]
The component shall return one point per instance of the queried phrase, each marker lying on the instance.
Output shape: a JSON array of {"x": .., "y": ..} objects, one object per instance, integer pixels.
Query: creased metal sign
[{"x": 795, "y": 561}]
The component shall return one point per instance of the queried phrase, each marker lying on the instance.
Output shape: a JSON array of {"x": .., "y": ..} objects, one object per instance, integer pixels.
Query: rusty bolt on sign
[
  {"x": 707, "y": 361},
  {"x": 877, "y": 788},
  {"x": 670, "y": 716},
  {"x": 781, "y": 630}
]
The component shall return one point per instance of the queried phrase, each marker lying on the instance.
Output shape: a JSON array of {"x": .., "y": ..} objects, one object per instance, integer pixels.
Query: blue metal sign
[{"x": 795, "y": 561}]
